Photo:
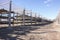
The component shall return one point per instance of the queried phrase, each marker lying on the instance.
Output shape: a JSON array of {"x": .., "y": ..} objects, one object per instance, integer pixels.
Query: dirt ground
[{"x": 39, "y": 32}]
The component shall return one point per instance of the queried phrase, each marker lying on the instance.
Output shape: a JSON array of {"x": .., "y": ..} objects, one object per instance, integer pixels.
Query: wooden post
[
  {"x": 13, "y": 18},
  {"x": 35, "y": 17},
  {"x": 31, "y": 18},
  {"x": 9, "y": 15},
  {"x": 17, "y": 19},
  {"x": 24, "y": 17}
]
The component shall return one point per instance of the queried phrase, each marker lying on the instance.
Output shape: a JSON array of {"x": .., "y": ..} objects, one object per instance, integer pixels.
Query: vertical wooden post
[
  {"x": 31, "y": 18},
  {"x": 13, "y": 18},
  {"x": 35, "y": 17},
  {"x": 0, "y": 18},
  {"x": 17, "y": 19},
  {"x": 24, "y": 17},
  {"x": 38, "y": 19},
  {"x": 9, "y": 15}
]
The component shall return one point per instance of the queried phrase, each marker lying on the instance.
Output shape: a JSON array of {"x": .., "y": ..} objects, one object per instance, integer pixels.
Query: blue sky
[{"x": 45, "y": 8}]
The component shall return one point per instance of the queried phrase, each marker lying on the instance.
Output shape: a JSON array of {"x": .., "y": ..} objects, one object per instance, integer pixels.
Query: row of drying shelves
[
  {"x": 18, "y": 19},
  {"x": 5, "y": 17},
  {"x": 15, "y": 22},
  {"x": 20, "y": 24}
]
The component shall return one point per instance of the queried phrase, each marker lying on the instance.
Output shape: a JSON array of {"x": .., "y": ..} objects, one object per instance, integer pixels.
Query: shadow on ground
[{"x": 15, "y": 32}]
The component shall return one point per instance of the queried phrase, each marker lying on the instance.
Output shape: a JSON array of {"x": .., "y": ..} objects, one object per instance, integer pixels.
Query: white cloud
[{"x": 46, "y": 2}]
